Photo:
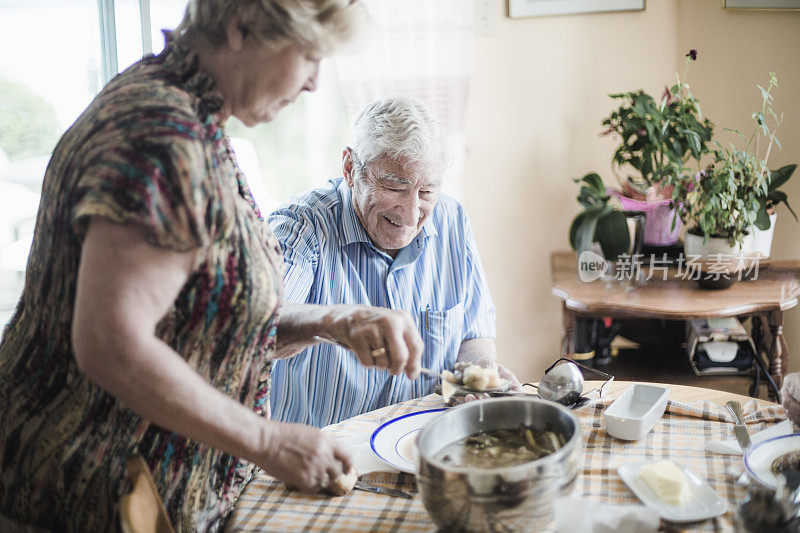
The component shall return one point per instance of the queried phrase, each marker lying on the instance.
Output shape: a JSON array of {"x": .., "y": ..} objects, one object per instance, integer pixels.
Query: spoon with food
[{"x": 469, "y": 378}]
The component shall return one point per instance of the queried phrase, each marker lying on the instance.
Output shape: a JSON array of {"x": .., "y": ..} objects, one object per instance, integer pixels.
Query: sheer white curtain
[{"x": 419, "y": 48}]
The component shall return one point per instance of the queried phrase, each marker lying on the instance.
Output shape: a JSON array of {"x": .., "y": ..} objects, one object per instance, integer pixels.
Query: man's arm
[
  {"x": 481, "y": 351},
  {"x": 479, "y": 313},
  {"x": 479, "y": 348}
]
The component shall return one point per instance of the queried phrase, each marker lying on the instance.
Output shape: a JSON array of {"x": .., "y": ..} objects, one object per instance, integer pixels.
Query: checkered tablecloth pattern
[{"x": 681, "y": 435}]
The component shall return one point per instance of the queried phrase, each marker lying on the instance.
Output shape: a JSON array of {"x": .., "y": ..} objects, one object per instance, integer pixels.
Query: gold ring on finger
[{"x": 377, "y": 352}]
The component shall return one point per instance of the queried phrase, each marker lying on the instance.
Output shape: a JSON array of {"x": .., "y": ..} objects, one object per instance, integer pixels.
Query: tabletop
[
  {"x": 693, "y": 417},
  {"x": 670, "y": 294}
]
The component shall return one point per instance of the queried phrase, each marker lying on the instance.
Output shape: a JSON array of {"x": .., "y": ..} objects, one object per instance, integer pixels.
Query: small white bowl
[{"x": 636, "y": 411}]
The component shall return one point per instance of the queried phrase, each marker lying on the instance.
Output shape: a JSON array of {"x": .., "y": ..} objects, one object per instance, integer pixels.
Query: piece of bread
[{"x": 342, "y": 484}]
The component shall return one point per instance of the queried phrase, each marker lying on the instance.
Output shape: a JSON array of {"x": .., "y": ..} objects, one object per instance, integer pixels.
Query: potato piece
[
  {"x": 475, "y": 378},
  {"x": 447, "y": 390},
  {"x": 342, "y": 484},
  {"x": 493, "y": 378}
]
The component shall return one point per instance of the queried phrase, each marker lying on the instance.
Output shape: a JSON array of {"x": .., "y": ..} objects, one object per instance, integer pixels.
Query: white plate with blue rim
[
  {"x": 394, "y": 441},
  {"x": 704, "y": 503},
  {"x": 760, "y": 457}
]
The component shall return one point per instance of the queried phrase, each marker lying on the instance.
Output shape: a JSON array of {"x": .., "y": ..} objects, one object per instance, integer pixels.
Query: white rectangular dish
[
  {"x": 636, "y": 411},
  {"x": 705, "y": 503}
]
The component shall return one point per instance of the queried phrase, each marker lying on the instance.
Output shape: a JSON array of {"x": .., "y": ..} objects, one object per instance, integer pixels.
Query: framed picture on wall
[
  {"x": 763, "y": 5},
  {"x": 536, "y": 8}
]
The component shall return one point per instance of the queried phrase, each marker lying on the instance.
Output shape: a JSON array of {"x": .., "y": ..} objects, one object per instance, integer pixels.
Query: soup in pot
[{"x": 501, "y": 447}]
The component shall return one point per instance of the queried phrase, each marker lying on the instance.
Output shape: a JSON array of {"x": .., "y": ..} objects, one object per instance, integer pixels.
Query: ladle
[{"x": 562, "y": 384}]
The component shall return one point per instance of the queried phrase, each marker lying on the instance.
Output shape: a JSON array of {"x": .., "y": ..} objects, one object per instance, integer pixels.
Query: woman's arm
[
  {"x": 125, "y": 285},
  {"x": 360, "y": 328}
]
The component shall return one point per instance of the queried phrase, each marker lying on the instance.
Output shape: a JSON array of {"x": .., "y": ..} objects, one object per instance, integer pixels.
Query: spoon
[
  {"x": 501, "y": 389},
  {"x": 460, "y": 387}
]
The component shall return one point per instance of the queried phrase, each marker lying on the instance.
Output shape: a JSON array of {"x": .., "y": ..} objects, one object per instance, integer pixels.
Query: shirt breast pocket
[{"x": 442, "y": 332}]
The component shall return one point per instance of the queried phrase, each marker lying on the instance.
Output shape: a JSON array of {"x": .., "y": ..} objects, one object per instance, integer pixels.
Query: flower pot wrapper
[{"x": 658, "y": 230}]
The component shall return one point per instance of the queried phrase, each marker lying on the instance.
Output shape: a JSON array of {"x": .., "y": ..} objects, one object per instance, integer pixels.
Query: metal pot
[{"x": 512, "y": 498}]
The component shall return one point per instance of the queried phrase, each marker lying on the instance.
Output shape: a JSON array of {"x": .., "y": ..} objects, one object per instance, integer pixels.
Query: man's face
[{"x": 392, "y": 198}]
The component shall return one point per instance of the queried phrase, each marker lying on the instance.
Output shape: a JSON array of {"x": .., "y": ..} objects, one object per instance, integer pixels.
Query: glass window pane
[
  {"x": 45, "y": 83},
  {"x": 63, "y": 78},
  {"x": 164, "y": 15},
  {"x": 300, "y": 149},
  {"x": 129, "y": 32}
]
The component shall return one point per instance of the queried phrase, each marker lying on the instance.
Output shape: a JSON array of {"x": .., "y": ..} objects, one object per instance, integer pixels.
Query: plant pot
[
  {"x": 720, "y": 264},
  {"x": 658, "y": 230},
  {"x": 762, "y": 239}
]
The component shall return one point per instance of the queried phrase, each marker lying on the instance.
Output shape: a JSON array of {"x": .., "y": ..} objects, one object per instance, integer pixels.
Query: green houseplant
[
  {"x": 775, "y": 196},
  {"x": 767, "y": 214},
  {"x": 731, "y": 195},
  {"x": 658, "y": 139},
  {"x": 726, "y": 203},
  {"x": 600, "y": 221}
]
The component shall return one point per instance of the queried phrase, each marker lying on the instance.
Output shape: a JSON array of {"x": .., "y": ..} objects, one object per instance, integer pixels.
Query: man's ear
[
  {"x": 235, "y": 32},
  {"x": 348, "y": 168}
]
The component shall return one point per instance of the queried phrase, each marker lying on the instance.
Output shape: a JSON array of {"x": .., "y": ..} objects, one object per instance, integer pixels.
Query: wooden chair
[{"x": 142, "y": 511}]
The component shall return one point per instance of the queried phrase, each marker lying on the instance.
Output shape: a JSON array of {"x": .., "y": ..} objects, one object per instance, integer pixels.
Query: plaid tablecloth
[{"x": 681, "y": 435}]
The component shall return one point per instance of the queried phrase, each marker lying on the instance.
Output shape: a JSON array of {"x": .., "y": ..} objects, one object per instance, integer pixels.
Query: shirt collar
[{"x": 352, "y": 229}]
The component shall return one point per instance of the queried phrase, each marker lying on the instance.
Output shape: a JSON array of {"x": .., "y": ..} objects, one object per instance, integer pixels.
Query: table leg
[
  {"x": 778, "y": 353},
  {"x": 757, "y": 333},
  {"x": 567, "y": 331}
]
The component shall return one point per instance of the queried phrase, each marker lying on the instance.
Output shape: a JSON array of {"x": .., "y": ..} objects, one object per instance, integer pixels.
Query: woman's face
[
  {"x": 392, "y": 199},
  {"x": 271, "y": 80}
]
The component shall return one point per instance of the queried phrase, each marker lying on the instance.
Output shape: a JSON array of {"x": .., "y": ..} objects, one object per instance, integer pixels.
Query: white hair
[{"x": 398, "y": 127}]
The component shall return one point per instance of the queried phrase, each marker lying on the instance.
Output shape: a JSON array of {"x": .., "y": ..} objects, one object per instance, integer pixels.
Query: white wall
[{"x": 538, "y": 96}]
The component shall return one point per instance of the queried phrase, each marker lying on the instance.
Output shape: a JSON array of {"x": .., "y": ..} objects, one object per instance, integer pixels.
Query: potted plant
[
  {"x": 722, "y": 204},
  {"x": 658, "y": 140},
  {"x": 600, "y": 222},
  {"x": 767, "y": 215}
]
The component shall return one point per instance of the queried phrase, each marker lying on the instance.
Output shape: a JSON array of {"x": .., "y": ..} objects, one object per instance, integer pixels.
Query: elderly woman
[{"x": 150, "y": 309}]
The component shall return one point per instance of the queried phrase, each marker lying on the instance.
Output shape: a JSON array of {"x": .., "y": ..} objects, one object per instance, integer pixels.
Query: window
[
  {"x": 43, "y": 88},
  {"x": 46, "y": 83}
]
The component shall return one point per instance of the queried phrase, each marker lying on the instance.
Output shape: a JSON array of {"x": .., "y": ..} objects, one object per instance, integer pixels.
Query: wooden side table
[{"x": 668, "y": 295}]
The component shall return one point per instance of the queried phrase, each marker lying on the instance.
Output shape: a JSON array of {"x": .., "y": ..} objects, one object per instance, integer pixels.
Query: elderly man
[
  {"x": 384, "y": 236},
  {"x": 790, "y": 396}
]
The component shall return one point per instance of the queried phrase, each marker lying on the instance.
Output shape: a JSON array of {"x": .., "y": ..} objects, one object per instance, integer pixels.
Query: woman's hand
[
  {"x": 303, "y": 457},
  {"x": 381, "y": 337},
  {"x": 790, "y": 396}
]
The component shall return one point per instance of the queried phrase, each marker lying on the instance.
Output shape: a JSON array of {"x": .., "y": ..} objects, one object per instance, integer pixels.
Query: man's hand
[
  {"x": 302, "y": 456},
  {"x": 790, "y": 396},
  {"x": 504, "y": 373}
]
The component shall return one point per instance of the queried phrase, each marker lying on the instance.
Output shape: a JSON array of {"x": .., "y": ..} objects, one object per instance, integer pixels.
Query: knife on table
[
  {"x": 369, "y": 487},
  {"x": 740, "y": 429}
]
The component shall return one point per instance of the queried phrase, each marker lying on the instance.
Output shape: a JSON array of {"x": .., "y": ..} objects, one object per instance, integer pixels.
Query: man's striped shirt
[{"x": 438, "y": 278}]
